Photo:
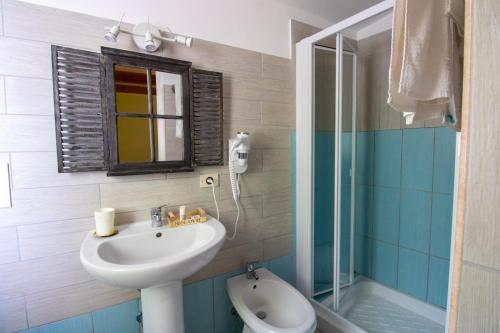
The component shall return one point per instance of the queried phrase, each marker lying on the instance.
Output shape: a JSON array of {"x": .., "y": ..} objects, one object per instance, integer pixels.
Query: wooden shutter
[
  {"x": 206, "y": 120},
  {"x": 78, "y": 110}
]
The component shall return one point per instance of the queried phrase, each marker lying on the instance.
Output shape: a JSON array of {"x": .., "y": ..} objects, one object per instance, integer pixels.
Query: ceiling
[{"x": 331, "y": 10}]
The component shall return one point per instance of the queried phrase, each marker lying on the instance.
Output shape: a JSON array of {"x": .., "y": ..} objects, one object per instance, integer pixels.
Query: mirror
[
  {"x": 148, "y": 112},
  {"x": 133, "y": 113}
]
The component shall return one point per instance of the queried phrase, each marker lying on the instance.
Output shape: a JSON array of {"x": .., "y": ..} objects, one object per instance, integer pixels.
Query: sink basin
[
  {"x": 155, "y": 260},
  {"x": 141, "y": 257}
]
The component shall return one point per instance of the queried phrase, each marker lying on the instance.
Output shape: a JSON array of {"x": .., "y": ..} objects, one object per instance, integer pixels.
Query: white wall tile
[
  {"x": 52, "y": 305},
  {"x": 30, "y": 206},
  {"x": 27, "y": 133},
  {"x": 2, "y": 94},
  {"x": 8, "y": 245},
  {"x": 39, "y": 169},
  {"x": 132, "y": 196},
  {"x": 29, "y": 96},
  {"x": 25, "y": 58},
  {"x": 52, "y": 238},
  {"x": 12, "y": 315},
  {"x": 31, "y": 276}
]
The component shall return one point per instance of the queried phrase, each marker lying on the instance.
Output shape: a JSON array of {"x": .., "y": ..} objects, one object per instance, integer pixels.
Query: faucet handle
[{"x": 251, "y": 265}]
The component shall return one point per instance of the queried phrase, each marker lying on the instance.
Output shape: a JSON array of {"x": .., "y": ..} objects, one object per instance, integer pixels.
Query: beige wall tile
[
  {"x": 29, "y": 96},
  {"x": 258, "y": 88},
  {"x": 8, "y": 245},
  {"x": 276, "y": 159},
  {"x": 133, "y": 196},
  {"x": 277, "y": 225},
  {"x": 242, "y": 110},
  {"x": 31, "y": 276},
  {"x": 39, "y": 169},
  {"x": 217, "y": 57},
  {"x": 277, "y": 246},
  {"x": 2, "y": 95},
  {"x": 278, "y": 68},
  {"x": 261, "y": 182},
  {"x": 264, "y": 137},
  {"x": 228, "y": 260},
  {"x": 12, "y": 315},
  {"x": 52, "y": 305},
  {"x": 278, "y": 114},
  {"x": 25, "y": 58},
  {"x": 27, "y": 21},
  {"x": 276, "y": 204},
  {"x": 30, "y": 206},
  {"x": 477, "y": 309},
  {"x": 27, "y": 133},
  {"x": 52, "y": 238}
]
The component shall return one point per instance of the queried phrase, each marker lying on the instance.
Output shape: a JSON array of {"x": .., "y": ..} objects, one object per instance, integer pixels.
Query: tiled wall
[
  {"x": 41, "y": 278},
  {"x": 207, "y": 308},
  {"x": 478, "y": 287},
  {"x": 404, "y": 204}
]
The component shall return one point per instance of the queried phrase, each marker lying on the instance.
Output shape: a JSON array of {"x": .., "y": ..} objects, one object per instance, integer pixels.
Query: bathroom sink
[
  {"x": 140, "y": 257},
  {"x": 155, "y": 260}
]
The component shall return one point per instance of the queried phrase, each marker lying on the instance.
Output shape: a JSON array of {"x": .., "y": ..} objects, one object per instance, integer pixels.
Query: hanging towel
[{"x": 422, "y": 73}]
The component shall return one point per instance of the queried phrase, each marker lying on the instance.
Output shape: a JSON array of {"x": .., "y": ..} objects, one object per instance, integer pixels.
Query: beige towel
[{"x": 422, "y": 74}]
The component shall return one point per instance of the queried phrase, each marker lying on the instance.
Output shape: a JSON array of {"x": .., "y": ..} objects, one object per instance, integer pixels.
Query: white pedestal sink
[{"x": 154, "y": 261}]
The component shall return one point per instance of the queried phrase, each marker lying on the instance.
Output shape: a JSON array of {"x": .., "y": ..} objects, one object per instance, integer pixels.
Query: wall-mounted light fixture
[{"x": 146, "y": 36}]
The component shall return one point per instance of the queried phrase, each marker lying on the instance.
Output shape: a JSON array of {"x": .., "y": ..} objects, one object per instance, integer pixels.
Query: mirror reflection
[{"x": 148, "y": 131}]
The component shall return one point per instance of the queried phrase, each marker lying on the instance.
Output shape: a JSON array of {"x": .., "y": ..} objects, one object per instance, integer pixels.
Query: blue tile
[
  {"x": 323, "y": 215},
  {"x": 362, "y": 255},
  {"x": 80, "y": 324},
  {"x": 119, "y": 318},
  {"x": 418, "y": 153},
  {"x": 442, "y": 212},
  {"x": 412, "y": 273},
  {"x": 30, "y": 330},
  {"x": 293, "y": 159},
  {"x": 385, "y": 263},
  {"x": 225, "y": 320},
  {"x": 323, "y": 265},
  {"x": 386, "y": 214},
  {"x": 345, "y": 211},
  {"x": 387, "y": 158},
  {"x": 284, "y": 268},
  {"x": 324, "y": 160},
  {"x": 444, "y": 160},
  {"x": 199, "y": 307},
  {"x": 415, "y": 220},
  {"x": 364, "y": 158},
  {"x": 345, "y": 250},
  {"x": 438, "y": 281},
  {"x": 346, "y": 158},
  {"x": 363, "y": 215}
]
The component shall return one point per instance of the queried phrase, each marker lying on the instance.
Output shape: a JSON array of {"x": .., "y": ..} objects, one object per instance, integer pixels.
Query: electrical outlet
[{"x": 205, "y": 180}]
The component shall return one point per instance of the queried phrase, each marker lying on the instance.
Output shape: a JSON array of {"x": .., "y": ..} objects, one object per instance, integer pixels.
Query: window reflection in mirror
[
  {"x": 169, "y": 133},
  {"x": 138, "y": 127},
  {"x": 133, "y": 140}
]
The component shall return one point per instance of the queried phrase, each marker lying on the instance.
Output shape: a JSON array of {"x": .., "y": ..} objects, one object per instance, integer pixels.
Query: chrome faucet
[
  {"x": 157, "y": 219},
  {"x": 251, "y": 273}
]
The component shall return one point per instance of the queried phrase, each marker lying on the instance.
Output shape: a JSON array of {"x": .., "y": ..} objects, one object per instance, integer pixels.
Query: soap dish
[{"x": 115, "y": 231}]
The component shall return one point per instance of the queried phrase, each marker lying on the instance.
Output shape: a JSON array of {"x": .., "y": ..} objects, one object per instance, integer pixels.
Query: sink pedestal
[{"x": 162, "y": 308}]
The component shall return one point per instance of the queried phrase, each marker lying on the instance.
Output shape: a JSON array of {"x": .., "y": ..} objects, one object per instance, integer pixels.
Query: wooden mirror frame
[{"x": 113, "y": 57}]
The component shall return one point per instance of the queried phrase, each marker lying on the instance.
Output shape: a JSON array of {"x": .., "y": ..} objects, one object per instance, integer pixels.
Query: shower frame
[{"x": 305, "y": 129}]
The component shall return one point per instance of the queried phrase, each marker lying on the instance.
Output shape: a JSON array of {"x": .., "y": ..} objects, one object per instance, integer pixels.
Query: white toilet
[{"x": 270, "y": 305}]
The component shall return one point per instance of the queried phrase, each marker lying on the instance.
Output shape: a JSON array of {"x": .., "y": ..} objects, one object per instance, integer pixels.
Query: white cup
[{"x": 104, "y": 221}]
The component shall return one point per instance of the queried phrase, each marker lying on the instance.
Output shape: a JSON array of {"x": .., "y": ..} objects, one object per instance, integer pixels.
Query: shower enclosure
[{"x": 374, "y": 197}]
